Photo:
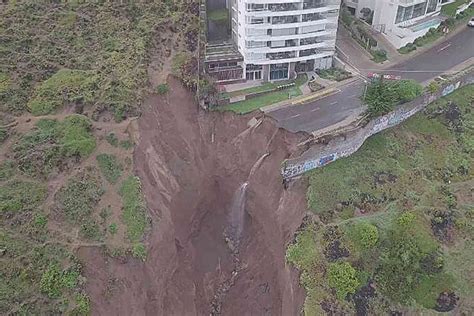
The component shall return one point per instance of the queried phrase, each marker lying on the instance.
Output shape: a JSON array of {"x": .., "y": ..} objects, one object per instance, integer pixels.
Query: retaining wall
[{"x": 343, "y": 148}]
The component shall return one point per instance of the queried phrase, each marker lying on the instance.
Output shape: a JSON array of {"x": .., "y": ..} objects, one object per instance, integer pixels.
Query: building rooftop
[{"x": 222, "y": 52}]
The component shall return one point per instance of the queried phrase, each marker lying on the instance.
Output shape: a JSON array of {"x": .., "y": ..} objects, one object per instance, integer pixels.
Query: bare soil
[{"x": 191, "y": 163}]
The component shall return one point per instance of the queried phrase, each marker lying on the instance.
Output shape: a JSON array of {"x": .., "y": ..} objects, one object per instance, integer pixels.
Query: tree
[
  {"x": 342, "y": 277},
  {"x": 383, "y": 95}
]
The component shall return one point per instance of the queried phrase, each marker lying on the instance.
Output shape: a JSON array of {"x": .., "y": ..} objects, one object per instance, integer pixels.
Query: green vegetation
[
  {"x": 218, "y": 15},
  {"x": 113, "y": 228},
  {"x": 335, "y": 74},
  {"x": 54, "y": 280},
  {"x": 64, "y": 87},
  {"x": 139, "y": 251},
  {"x": 450, "y": 9},
  {"x": 112, "y": 139},
  {"x": 18, "y": 195},
  {"x": 51, "y": 143},
  {"x": 126, "y": 144},
  {"x": 91, "y": 230},
  {"x": 83, "y": 305},
  {"x": 382, "y": 95},
  {"x": 7, "y": 169},
  {"x": 110, "y": 167},
  {"x": 342, "y": 277},
  {"x": 134, "y": 208},
  {"x": 454, "y": 21},
  {"x": 87, "y": 53},
  {"x": 162, "y": 89},
  {"x": 78, "y": 198},
  {"x": 399, "y": 211},
  {"x": 269, "y": 98},
  {"x": 379, "y": 55}
]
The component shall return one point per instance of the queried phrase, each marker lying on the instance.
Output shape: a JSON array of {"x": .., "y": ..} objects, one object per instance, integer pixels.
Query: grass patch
[
  {"x": 7, "y": 169},
  {"x": 450, "y": 9},
  {"x": 252, "y": 104},
  {"x": 126, "y": 144},
  {"x": 65, "y": 87},
  {"x": 50, "y": 145},
  {"x": 77, "y": 199},
  {"x": 134, "y": 208},
  {"x": 110, "y": 167}
]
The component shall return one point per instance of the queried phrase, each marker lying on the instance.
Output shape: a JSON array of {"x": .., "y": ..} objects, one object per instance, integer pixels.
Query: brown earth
[{"x": 191, "y": 163}]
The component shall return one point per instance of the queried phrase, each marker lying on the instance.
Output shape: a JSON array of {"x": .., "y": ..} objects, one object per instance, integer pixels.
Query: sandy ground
[{"x": 191, "y": 163}]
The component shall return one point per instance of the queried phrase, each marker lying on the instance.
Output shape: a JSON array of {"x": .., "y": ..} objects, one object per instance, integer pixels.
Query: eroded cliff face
[{"x": 191, "y": 165}]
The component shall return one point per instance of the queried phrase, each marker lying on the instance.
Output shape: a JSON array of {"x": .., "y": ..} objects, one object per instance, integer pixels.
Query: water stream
[{"x": 237, "y": 215}]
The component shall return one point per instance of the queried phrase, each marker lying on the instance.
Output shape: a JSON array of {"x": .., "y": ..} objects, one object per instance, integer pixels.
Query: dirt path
[{"x": 191, "y": 164}]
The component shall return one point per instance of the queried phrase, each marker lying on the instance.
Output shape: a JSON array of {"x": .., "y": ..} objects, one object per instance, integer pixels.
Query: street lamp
[{"x": 365, "y": 89}]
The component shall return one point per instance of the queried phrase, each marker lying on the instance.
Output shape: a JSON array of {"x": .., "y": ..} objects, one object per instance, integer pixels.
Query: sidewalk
[{"x": 331, "y": 89}]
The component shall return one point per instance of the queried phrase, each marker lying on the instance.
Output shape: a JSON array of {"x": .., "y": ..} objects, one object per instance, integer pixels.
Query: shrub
[
  {"x": 408, "y": 48},
  {"x": 83, "y": 305},
  {"x": 54, "y": 280},
  {"x": 162, "y": 89},
  {"x": 379, "y": 55},
  {"x": 110, "y": 167},
  {"x": 90, "y": 230},
  {"x": 406, "y": 219},
  {"x": 113, "y": 228},
  {"x": 342, "y": 277},
  {"x": 139, "y": 251},
  {"x": 134, "y": 208},
  {"x": 366, "y": 235},
  {"x": 382, "y": 95},
  {"x": 20, "y": 195},
  {"x": 80, "y": 195},
  {"x": 112, "y": 139}
]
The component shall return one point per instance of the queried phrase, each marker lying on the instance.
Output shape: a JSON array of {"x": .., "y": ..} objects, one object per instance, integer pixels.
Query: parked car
[{"x": 471, "y": 22}]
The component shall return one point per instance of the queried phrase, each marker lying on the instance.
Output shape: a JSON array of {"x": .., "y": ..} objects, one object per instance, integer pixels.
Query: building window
[
  {"x": 253, "y": 72},
  {"x": 414, "y": 11},
  {"x": 279, "y": 71}
]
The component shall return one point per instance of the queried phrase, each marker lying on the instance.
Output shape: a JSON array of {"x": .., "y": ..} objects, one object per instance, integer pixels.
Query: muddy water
[{"x": 195, "y": 188}]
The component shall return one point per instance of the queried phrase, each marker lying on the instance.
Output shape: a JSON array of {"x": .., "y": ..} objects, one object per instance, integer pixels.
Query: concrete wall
[{"x": 343, "y": 148}]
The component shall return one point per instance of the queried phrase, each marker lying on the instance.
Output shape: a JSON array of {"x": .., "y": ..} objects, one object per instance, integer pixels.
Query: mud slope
[{"x": 191, "y": 165}]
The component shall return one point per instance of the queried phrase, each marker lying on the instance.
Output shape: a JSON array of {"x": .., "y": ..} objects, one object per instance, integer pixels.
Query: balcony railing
[
  {"x": 280, "y": 7},
  {"x": 281, "y": 55},
  {"x": 284, "y": 19}
]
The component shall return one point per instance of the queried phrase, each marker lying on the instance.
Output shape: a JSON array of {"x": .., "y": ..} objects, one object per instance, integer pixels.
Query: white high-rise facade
[{"x": 278, "y": 38}]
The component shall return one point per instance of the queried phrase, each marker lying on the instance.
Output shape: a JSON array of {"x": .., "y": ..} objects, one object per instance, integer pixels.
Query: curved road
[{"x": 333, "y": 109}]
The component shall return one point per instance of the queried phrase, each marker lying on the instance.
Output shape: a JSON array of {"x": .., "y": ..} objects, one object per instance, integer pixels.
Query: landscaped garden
[{"x": 272, "y": 92}]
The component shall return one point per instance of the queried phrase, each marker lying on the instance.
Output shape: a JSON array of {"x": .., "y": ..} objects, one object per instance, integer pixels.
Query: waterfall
[{"x": 237, "y": 215}]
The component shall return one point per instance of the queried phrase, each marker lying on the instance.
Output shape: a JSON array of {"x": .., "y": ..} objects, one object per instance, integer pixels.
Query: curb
[{"x": 318, "y": 95}]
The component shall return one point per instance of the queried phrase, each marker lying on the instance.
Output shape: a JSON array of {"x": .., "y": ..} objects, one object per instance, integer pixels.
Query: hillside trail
[{"x": 192, "y": 170}]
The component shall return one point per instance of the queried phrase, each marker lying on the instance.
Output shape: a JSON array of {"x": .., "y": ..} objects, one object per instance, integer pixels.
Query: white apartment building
[
  {"x": 401, "y": 21},
  {"x": 278, "y": 38}
]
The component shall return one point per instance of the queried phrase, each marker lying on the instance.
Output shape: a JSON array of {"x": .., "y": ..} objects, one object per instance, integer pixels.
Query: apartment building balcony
[
  {"x": 326, "y": 33},
  {"x": 269, "y": 13},
  {"x": 262, "y": 60},
  {"x": 267, "y": 25},
  {"x": 292, "y": 46},
  {"x": 281, "y": 55}
]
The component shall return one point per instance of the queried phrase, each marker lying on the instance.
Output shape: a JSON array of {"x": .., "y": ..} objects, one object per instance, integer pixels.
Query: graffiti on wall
[{"x": 347, "y": 148}]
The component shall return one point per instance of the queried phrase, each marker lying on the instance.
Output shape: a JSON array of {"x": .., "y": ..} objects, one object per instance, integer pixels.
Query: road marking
[
  {"x": 294, "y": 116},
  {"x": 444, "y": 47},
  {"x": 315, "y": 109},
  {"x": 332, "y": 103}
]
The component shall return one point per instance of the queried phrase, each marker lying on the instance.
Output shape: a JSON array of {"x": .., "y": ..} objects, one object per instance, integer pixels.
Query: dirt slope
[{"x": 191, "y": 164}]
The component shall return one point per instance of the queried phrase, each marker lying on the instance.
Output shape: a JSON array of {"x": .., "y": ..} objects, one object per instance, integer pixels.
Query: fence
[{"x": 297, "y": 166}]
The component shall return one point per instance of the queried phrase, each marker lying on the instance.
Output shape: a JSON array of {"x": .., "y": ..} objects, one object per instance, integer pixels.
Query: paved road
[{"x": 335, "y": 108}]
